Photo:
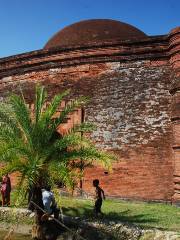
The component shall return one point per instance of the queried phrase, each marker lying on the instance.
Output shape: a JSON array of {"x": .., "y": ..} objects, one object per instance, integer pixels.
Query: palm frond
[
  {"x": 22, "y": 115},
  {"x": 31, "y": 145},
  {"x": 52, "y": 108},
  {"x": 60, "y": 172},
  {"x": 15, "y": 153},
  {"x": 7, "y": 134},
  {"x": 7, "y": 117},
  {"x": 72, "y": 140},
  {"x": 41, "y": 95},
  {"x": 89, "y": 155},
  {"x": 69, "y": 108}
]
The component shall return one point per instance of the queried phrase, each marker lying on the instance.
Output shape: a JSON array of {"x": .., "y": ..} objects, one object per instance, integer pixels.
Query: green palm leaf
[
  {"x": 40, "y": 98},
  {"x": 69, "y": 108},
  {"x": 52, "y": 108},
  {"x": 22, "y": 115},
  {"x": 30, "y": 144}
]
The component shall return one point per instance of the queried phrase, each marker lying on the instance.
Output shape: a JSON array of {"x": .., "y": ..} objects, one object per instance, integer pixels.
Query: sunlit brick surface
[{"x": 135, "y": 103}]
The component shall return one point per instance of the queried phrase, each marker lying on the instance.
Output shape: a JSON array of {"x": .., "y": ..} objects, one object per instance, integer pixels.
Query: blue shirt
[{"x": 48, "y": 200}]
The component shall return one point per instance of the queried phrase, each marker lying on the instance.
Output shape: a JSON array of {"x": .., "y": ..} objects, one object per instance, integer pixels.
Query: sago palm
[{"x": 30, "y": 145}]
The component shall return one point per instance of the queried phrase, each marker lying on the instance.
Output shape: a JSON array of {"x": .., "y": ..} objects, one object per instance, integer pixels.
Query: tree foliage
[{"x": 30, "y": 145}]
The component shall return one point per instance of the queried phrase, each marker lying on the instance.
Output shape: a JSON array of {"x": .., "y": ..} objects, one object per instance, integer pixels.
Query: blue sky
[{"x": 26, "y": 25}]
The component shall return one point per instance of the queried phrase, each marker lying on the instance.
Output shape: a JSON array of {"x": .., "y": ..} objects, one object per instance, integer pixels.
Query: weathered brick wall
[
  {"x": 130, "y": 103},
  {"x": 130, "y": 106},
  {"x": 133, "y": 117},
  {"x": 174, "y": 42}
]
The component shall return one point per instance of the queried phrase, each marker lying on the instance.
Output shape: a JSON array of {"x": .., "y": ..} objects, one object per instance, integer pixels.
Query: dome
[{"x": 95, "y": 30}]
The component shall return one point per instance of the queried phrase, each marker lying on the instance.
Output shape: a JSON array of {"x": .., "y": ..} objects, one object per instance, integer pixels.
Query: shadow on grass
[{"x": 142, "y": 220}]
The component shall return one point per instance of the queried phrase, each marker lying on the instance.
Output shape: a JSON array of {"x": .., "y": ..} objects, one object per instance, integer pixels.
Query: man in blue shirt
[{"x": 49, "y": 202}]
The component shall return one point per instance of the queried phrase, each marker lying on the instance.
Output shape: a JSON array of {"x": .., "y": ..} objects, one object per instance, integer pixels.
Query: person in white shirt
[{"x": 49, "y": 202}]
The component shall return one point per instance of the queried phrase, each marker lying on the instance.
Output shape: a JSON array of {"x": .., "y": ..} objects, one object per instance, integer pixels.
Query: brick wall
[
  {"x": 174, "y": 42},
  {"x": 130, "y": 103}
]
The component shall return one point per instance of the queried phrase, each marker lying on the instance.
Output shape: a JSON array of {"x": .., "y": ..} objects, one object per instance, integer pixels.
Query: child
[{"x": 99, "y": 196}]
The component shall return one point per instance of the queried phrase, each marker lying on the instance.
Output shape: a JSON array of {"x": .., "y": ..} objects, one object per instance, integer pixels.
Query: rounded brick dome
[{"x": 95, "y": 30}]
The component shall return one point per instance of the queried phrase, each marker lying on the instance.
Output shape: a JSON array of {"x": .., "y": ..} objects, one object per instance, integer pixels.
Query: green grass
[{"x": 145, "y": 215}]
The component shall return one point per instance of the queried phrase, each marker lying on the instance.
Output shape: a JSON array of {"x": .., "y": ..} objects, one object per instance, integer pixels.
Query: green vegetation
[
  {"x": 145, "y": 215},
  {"x": 31, "y": 145}
]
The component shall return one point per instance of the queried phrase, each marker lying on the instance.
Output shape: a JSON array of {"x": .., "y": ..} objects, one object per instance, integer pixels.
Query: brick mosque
[{"x": 133, "y": 81}]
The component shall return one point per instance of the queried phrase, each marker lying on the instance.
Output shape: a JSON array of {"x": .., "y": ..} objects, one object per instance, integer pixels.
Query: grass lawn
[{"x": 146, "y": 215}]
